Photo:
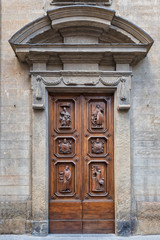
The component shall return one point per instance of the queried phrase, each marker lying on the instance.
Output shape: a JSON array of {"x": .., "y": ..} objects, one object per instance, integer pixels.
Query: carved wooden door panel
[
  {"x": 98, "y": 180},
  {"x": 81, "y": 197}
]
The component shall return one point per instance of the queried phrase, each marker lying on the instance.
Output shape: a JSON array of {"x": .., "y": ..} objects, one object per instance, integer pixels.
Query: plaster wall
[{"x": 16, "y": 112}]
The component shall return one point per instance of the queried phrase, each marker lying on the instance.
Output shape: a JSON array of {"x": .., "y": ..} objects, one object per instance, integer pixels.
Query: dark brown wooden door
[{"x": 81, "y": 197}]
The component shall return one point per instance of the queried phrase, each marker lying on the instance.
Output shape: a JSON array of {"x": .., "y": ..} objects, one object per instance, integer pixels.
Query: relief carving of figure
[
  {"x": 97, "y": 146},
  {"x": 65, "y": 146},
  {"x": 65, "y": 118},
  {"x": 97, "y": 179},
  {"x": 97, "y": 116},
  {"x": 66, "y": 180}
]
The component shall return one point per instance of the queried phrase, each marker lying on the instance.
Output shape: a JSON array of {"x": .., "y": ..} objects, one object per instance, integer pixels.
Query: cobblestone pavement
[{"x": 78, "y": 237}]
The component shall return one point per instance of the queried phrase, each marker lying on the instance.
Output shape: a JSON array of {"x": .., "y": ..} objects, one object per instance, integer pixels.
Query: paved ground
[{"x": 78, "y": 237}]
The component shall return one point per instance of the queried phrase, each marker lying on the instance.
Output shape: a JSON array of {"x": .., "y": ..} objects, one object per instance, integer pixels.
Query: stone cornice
[
  {"x": 81, "y": 73},
  {"x": 136, "y": 41},
  {"x": 119, "y": 53},
  {"x": 69, "y": 2}
]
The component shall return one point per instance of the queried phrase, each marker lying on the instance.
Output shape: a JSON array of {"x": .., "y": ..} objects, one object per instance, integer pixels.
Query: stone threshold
[{"x": 79, "y": 237}]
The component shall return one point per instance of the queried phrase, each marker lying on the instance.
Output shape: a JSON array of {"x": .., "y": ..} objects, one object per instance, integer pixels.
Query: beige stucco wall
[{"x": 16, "y": 130}]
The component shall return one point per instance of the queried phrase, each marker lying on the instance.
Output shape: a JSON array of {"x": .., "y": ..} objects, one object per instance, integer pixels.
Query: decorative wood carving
[
  {"x": 108, "y": 158},
  {"x": 86, "y": 134},
  {"x": 86, "y": 159},
  {"x": 53, "y": 197},
  {"x": 54, "y": 134},
  {"x": 53, "y": 160},
  {"x": 81, "y": 177},
  {"x": 76, "y": 159},
  {"x": 87, "y": 196},
  {"x": 65, "y": 146},
  {"x": 109, "y": 196},
  {"x": 76, "y": 134},
  {"x": 97, "y": 178},
  {"x": 77, "y": 196},
  {"x": 97, "y": 146},
  {"x": 108, "y": 134},
  {"x": 65, "y": 117},
  {"x": 65, "y": 177},
  {"x": 97, "y": 116}
]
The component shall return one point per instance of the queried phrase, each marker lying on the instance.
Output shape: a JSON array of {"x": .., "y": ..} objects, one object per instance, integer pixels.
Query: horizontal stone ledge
[
  {"x": 77, "y": 47},
  {"x": 90, "y": 53},
  {"x": 81, "y": 73},
  {"x": 105, "y": 3},
  {"x": 70, "y": 2}
]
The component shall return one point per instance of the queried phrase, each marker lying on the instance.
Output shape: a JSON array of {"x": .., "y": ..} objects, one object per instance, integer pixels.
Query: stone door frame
[{"x": 113, "y": 82}]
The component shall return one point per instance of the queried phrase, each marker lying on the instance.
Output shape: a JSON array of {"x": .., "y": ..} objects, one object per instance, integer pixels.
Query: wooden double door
[{"x": 81, "y": 197}]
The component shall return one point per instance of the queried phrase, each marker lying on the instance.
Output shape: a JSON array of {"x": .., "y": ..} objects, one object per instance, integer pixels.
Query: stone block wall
[
  {"x": 15, "y": 163},
  {"x": 16, "y": 122}
]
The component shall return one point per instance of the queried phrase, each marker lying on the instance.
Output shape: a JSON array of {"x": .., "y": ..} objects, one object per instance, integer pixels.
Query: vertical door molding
[
  {"x": 39, "y": 155},
  {"x": 122, "y": 165}
]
